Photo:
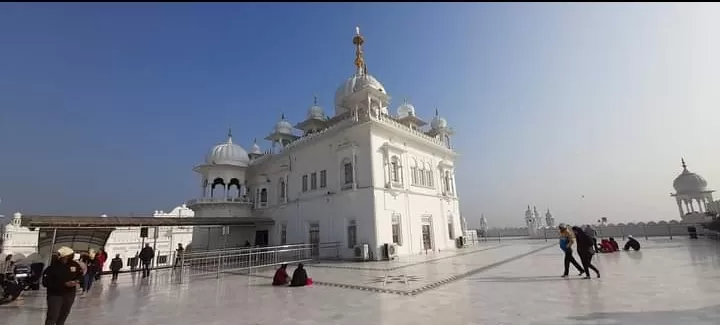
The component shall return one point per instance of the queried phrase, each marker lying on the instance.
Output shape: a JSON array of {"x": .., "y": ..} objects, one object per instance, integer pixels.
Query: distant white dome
[
  {"x": 438, "y": 122},
  {"x": 356, "y": 83},
  {"x": 228, "y": 153},
  {"x": 283, "y": 126},
  {"x": 315, "y": 111},
  {"x": 689, "y": 182},
  {"x": 256, "y": 149},
  {"x": 405, "y": 109}
]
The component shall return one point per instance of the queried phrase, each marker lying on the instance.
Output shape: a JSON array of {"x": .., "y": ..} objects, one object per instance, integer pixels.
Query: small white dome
[
  {"x": 283, "y": 126},
  {"x": 689, "y": 182},
  {"x": 438, "y": 122},
  {"x": 356, "y": 83},
  {"x": 406, "y": 109},
  {"x": 256, "y": 149},
  {"x": 228, "y": 153},
  {"x": 315, "y": 111}
]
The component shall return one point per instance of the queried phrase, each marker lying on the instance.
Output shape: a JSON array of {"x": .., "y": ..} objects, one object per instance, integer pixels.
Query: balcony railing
[{"x": 210, "y": 200}]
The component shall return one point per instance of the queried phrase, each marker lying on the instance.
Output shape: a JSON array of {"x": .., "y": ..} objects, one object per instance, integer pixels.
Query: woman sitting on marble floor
[
  {"x": 299, "y": 278},
  {"x": 281, "y": 277}
]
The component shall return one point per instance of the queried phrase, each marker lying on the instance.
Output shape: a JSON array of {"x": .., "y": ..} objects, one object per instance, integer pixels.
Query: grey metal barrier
[{"x": 215, "y": 262}]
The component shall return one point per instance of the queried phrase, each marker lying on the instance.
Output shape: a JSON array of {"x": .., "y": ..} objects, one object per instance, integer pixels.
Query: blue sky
[{"x": 105, "y": 108}]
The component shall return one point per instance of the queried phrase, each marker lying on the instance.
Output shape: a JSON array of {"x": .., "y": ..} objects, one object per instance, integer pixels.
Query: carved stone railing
[{"x": 211, "y": 200}]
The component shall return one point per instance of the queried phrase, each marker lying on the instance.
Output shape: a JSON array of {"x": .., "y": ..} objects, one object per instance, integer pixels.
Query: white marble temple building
[{"x": 369, "y": 175}]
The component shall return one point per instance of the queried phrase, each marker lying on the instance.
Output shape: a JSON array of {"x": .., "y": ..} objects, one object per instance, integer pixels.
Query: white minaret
[
  {"x": 530, "y": 221},
  {"x": 549, "y": 220}
]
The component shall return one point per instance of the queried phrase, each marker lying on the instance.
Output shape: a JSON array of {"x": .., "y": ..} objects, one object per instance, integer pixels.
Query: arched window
[
  {"x": 218, "y": 182},
  {"x": 395, "y": 169},
  {"x": 348, "y": 171},
  {"x": 421, "y": 174}
]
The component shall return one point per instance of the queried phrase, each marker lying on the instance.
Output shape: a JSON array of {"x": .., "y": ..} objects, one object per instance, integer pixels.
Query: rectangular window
[
  {"x": 323, "y": 179},
  {"x": 348, "y": 173},
  {"x": 313, "y": 181},
  {"x": 263, "y": 197},
  {"x": 430, "y": 178},
  {"x": 305, "y": 183},
  {"x": 396, "y": 230},
  {"x": 283, "y": 234},
  {"x": 352, "y": 234}
]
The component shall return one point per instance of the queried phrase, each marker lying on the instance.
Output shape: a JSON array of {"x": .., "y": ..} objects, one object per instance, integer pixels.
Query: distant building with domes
[{"x": 363, "y": 178}]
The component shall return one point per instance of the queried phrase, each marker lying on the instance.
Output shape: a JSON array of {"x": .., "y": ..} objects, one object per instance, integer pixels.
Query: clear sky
[{"x": 105, "y": 108}]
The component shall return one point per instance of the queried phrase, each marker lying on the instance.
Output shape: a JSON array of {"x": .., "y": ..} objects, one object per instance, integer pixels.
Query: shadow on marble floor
[
  {"x": 543, "y": 278},
  {"x": 706, "y": 315}
]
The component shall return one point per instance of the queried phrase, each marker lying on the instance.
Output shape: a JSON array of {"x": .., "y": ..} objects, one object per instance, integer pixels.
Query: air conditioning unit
[
  {"x": 390, "y": 251},
  {"x": 362, "y": 252}
]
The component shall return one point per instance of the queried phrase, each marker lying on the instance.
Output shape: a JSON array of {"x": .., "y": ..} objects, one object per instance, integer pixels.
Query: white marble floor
[{"x": 668, "y": 282}]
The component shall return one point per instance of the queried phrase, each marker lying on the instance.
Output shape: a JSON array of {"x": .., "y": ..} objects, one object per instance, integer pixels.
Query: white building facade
[{"x": 365, "y": 176}]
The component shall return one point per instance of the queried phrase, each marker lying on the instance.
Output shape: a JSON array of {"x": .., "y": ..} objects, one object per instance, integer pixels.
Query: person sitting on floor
[
  {"x": 606, "y": 246},
  {"x": 632, "y": 243},
  {"x": 281, "y": 277},
  {"x": 299, "y": 278},
  {"x": 615, "y": 245}
]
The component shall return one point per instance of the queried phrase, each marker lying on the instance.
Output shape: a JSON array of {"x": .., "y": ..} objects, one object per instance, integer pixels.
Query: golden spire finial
[{"x": 358, "y": 40}]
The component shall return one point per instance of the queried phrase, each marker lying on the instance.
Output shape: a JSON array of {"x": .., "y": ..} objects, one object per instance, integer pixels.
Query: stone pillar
[{"x": 679, "y": 204}]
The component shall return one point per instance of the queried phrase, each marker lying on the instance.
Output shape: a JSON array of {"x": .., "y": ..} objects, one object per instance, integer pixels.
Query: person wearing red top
[
  {"x": 100, "y": 259},
  {"x": 281, "y": 277}
]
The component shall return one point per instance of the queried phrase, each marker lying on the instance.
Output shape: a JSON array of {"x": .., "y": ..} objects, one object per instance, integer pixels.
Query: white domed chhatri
[
  {"x": 283, "y": 126},
  {"x": 315, "y": 111},
  {"x": 406, "y": 109},
  {"x": 438, "y": 122},
  {"x": 228, "y": 153},
  {"x": 255, "y": 148},
  {"x": 689, "y": 182},
  {"x": 355, "y": 84},
  {"x": 691, "y": 194}
]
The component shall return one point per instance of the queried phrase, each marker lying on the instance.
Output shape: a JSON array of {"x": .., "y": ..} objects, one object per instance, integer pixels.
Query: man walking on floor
[
  {"x": 61, "y": 279},
  {"x": 146, "y": 256}
]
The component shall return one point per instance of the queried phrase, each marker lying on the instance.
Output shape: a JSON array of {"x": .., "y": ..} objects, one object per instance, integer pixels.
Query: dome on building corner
[
  {"x": 228, "y": 153},
  {"x": 405, "y": 109},
  {"x": 283, "y": 126},
  {"x": 438, "y": 122},
  {"x": 316, "y": 111},
  {"x": 689, "y": 182}
]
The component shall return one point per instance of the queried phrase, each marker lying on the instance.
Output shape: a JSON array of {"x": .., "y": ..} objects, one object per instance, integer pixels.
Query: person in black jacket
[
  {"x": 632, "y": 243},
  {"x": 299, "y": 278},
  {"x": 146, "y": 256},
  {"x": 585, "y": 249},
  {"x": 61, "y": 279},
  {"x": 115, "y": 265}
]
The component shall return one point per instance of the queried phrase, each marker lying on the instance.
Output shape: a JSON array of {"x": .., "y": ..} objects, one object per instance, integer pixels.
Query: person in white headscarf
[{"x": 61, "y": 279}]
